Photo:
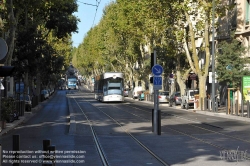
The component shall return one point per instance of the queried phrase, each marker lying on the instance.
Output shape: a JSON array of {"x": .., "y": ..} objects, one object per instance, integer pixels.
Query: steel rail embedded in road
[
  {"x": 189, "y": 135},
  {"x": 97, "y": 143},
  {"x": 128, "y": 133},
  {"x": 198, "y": 122},
  {"x": 140, "y": 143}
]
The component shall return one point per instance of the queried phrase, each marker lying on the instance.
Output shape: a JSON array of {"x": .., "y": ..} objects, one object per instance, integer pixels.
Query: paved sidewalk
[
  {"x": 21, "y": 119},
  {"x": 25, "y": 117},
  {"x": 221, "y": 113}
]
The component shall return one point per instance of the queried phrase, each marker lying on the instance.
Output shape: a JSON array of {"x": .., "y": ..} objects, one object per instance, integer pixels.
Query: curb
[
  {"x": 221, "y": 115},
  {"x": 21, "y": 119}
]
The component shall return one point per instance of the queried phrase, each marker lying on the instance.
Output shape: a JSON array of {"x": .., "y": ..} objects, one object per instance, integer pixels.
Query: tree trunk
[
  {"x": 202, "y": 88},
  {"x": 11, "y": 35},
  {"x": 38, "y": 86},
  {"x": 181, "y": 82}
]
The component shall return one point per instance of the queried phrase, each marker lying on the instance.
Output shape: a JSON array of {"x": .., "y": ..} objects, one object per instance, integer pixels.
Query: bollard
[
  {"x": 227, "y": 111},
  {"x": 248, "y": 110},
  {"x": 236, "y": 108},
  {"x": 46, "y": 144},
  {"x": 216, "y": 105},
  {"x": 195, "y": 104},
  {"x": 231, "y": 108},
  {"x": 16, "y": 147},
  {"x": 159, "y": 122},
  {"x": 209, "y": 105},
  {"x": 242, "y": 108}
]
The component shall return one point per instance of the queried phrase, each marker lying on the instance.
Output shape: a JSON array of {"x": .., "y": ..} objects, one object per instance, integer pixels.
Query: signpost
[{"x": 157, "y": 70}]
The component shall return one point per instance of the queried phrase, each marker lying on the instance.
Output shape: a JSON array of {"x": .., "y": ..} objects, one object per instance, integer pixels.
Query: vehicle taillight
[{"x": 159, "y": 96}]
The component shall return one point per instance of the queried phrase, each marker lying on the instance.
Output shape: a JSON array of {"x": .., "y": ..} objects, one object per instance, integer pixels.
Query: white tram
[{"x": 108, "y": 87}]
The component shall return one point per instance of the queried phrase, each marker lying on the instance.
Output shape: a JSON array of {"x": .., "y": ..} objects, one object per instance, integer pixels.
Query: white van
[{"x": 135, "y": 92}]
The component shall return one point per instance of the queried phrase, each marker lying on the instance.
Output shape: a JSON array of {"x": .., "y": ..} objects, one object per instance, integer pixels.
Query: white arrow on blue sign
[
  {"x": 157, "y": 82},
  {"x": 157, "y": 70}
]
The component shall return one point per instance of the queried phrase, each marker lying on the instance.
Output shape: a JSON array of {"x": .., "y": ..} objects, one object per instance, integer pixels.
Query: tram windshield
[{"x": 114, "y": 86}]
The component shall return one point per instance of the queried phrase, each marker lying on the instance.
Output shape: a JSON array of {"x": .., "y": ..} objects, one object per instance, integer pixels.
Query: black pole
[
  {"x": 159, "y": 123},
  {"x": 16, "y": 147}
]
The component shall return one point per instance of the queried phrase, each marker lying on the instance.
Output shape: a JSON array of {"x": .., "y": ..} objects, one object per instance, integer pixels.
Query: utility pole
[
  {"x": 157, "y": 70},
  {"x": 213, "y": 63}
]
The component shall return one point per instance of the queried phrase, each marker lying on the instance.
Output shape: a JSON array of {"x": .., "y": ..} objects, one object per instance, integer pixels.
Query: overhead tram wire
[
  {"x": 87, "y": 3},
  {"x": 97, "y": 5}
]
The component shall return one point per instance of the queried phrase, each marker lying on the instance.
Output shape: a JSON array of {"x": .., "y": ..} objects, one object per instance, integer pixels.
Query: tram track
[
  {"x": 198, "y": 122},
  {"x": 191, "y": 136},
  {"x": 96, "y": 141},
  {"x": 167, "y": 115},
  {"x": 101, "y": 152}
]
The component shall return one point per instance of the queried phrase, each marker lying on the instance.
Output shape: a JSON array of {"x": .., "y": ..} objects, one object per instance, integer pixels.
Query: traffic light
[
  {"x": 151, "y": 79},
  {"x": 6, "y": 70},
  {"x": 152, "y": 60}
]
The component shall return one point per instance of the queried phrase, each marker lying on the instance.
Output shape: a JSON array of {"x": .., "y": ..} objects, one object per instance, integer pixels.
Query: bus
[
  {"x": 108, "y": 87},
  {"x": 72, "y": 83}
]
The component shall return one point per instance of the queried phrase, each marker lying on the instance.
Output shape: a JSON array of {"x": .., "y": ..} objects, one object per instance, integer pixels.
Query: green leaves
[{"x": 231, "y": 64}]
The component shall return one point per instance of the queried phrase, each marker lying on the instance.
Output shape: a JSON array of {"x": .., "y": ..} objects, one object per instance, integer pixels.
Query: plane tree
[
  {"x": 27, "y": 29},
  {"x": 192, "y": 23}
]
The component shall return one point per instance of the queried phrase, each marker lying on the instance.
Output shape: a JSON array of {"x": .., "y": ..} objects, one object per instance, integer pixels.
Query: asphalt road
[
  {"x": 187, "y": 138},
  {"x": 50, "y": 123}
]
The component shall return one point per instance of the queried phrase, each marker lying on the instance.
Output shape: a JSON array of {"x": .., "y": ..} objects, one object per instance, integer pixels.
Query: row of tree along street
[
  {"x": 181, "y": 34},
  {"x": 38, "y": 37}
]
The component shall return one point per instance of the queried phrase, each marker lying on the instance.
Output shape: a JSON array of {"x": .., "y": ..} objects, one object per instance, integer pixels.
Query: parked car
[
  {"x": 49, "y": 91},
  {"x": 175, "y": 98},
  {"x": 45, "y": 94},
  {"x": 27, "y": 100},
  {"x": 163, "y": 96}
]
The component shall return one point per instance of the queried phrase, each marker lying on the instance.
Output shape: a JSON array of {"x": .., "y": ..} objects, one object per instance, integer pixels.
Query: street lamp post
[{"x": 213, "y": 62}]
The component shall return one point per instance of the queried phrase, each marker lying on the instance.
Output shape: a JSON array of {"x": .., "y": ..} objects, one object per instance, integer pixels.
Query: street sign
[
  {"x": 157, "y": 70},
  {"x": 157, "y": 82}
]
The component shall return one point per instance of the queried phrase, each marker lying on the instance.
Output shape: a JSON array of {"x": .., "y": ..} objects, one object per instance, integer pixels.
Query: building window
[{"x": 247, "y": 12}]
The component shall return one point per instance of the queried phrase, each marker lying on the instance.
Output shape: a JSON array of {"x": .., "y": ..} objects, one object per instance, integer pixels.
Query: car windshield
[
  {"x": 192, "y": 93},
  {"x": 164, "y": 93},
  {"x": 178, "y": 94},
  {"x": 44, "y": 92}
]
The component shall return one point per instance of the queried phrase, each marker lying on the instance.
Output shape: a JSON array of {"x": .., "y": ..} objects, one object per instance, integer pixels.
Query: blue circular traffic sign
[{"x": 157, "y": 69}]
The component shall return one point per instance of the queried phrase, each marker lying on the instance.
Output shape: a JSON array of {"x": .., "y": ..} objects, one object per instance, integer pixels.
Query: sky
[{"x": 89, "y": 15}]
